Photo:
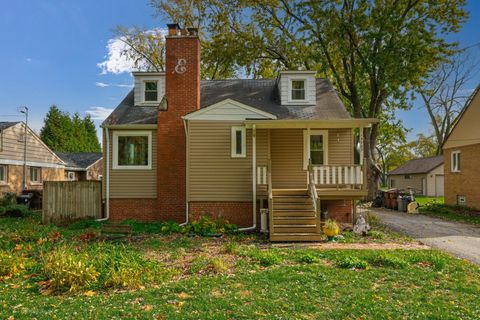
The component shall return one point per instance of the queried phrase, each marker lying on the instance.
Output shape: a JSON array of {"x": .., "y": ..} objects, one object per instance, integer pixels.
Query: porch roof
[{"x": 327, "y": 124}]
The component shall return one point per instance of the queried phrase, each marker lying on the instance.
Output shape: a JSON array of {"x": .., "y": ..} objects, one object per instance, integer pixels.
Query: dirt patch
[{"x": 356, "y": 246}]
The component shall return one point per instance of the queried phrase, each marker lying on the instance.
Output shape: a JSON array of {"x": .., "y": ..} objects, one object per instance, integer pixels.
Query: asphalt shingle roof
[
  {"x": 4, "y": 125},
  {"x": 79, "y": 160},
  {"x": 416, "y": 166},
  {"x": 257, "y": 93}
]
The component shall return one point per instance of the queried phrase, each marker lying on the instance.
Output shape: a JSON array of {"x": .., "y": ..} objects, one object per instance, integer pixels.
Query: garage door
[{"x": 439, "y": 185}]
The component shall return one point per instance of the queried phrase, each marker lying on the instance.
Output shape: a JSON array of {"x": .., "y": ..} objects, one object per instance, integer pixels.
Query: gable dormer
[
  {"x": 297, "y": 88},
  {"x": 149, "y": 88}
]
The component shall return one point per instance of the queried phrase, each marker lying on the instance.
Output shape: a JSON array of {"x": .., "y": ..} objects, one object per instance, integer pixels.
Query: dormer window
[
  {"x": 151, "y": 91},
  {"x": 298, "y": 90}
]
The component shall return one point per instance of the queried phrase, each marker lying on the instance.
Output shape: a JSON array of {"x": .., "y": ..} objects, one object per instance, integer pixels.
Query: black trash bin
[{"x": 25, "y": 199}]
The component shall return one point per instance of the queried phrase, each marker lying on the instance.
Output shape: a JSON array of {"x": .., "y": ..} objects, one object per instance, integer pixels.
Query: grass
[
  {"x": 452, "y": 213},
  {"x": 424, "y": 200},
  {"x": 239, "y": 277}
]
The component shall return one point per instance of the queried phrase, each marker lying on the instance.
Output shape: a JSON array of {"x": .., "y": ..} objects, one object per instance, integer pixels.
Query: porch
[{"x": 304, "y": 166}]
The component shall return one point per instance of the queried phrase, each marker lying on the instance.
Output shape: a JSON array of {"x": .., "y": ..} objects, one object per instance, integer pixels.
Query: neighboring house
[
  {"x": 41, "y": 163},
  {"x": 424, "y": 175},
  {"x": 462, "y": 157},
  {"x": 177, "y": 148},
  {"x": 81, "y": 166}
]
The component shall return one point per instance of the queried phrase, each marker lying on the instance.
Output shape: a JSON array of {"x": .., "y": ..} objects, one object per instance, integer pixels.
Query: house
[
  {"x": 81, "y": 166},
  {"x": 424, "y": 176},
  {"x": 178, "y": 147},
  {"x": 462, "y": 156},
  {"x": 25, "y": 168}
]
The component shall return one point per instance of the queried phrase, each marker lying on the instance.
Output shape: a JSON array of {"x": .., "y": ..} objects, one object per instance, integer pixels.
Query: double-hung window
[
  {"x": 151, "y": 91},
  {"x": 35, "y": 175},
  {"x": 132, "y": 150},
  {"x": 455, "y": 161},
  {"x": 297, "y": 92},
  {"x": 239, "y": 142},
  {"x": 3, "y": 174},
  {"x": 315, "y": 147}
]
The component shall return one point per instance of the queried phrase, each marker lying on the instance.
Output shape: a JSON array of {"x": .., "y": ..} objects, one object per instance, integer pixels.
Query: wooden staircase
[{"x": 293, "y": 217}]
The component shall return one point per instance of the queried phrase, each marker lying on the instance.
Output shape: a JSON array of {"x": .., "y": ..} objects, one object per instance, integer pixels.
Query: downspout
[
  {"x": 185, "y": 126},
  {"x": 254, "y": 180},
  {"x": 107, "y": 178}
]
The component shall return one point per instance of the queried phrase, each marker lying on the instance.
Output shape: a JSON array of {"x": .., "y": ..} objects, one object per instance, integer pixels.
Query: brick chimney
[{"x": 182, "y": 93}]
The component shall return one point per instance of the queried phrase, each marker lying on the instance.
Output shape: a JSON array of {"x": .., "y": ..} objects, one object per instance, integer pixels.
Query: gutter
[
  {"x": 107, "y": 178},
  {"x": 185, "y": 126}
]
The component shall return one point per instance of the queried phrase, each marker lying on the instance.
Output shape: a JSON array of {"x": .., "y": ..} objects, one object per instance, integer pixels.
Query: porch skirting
[
  {"x": 239, "y": 213},
  {"x": 134, "y": 208}
]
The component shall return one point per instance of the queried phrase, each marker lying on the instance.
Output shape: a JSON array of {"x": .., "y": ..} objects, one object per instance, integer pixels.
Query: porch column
[
  {"x": 361, "y": 145},
  {"x": 254, "y": 173}
]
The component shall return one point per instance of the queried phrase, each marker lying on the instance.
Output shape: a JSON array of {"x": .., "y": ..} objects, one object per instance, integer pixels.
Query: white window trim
[
  {"x": 233, "y": 142},
  {"x": 144, "y": 87},
  {"x": 39, "y": 176},
  {"x": 5, "y": 174},
  {"x": 452, "y": 168},
  {"x": 117, "y": 134},
  {"x": 306, "y": 145},
  {"x": 305, "y": 84},
  {"x": 71, "y": 176}
]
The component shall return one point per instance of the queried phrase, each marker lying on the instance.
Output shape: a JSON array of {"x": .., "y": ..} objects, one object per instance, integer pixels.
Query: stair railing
[
  {"x": 270, "y": 196},
  {"x": 312, "y": 189}
]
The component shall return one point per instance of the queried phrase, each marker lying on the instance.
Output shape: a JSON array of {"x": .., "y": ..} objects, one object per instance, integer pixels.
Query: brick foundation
[
  {"x": 137, "y": 209},
  {"x": 339, "y": 210},
  {"x": 239, "y": 213}
]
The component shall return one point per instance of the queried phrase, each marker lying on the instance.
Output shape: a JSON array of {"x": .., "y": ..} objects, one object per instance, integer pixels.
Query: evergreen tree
[{"x": 64, "y": 133}]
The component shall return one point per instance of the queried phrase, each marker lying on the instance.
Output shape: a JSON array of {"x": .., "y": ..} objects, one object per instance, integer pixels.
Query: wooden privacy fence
[{"x": 65, "y": 201}]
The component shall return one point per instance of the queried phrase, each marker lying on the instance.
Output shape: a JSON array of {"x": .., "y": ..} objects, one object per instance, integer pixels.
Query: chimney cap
[
  {"x": 173, "y": 29},
  {"x": 192, "y": 31}
]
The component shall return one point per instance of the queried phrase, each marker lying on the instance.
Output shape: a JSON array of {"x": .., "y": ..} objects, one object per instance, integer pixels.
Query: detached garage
[{"x": 424, "y": 175}]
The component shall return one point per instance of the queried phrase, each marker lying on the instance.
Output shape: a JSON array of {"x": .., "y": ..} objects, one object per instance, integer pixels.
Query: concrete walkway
[{"x": 461, "y": 240}]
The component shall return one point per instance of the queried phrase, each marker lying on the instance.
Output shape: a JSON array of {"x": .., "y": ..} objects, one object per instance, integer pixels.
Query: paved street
[{"x": 461, "y": 240}]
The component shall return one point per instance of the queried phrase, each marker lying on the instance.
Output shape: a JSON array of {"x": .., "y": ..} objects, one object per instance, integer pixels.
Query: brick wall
[
  {"x": 137, "y": 209},
  {"x": 182, "y": 91},
  {"x": 339, "y": 210},
  {"x": 467, "y": 181},
  {"x": 239, "y": 213}
]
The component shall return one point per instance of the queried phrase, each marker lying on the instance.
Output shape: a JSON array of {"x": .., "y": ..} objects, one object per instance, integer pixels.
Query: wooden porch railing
[
  {"x": 331, "y": 175},
  {"x": 312, "y": 191}
]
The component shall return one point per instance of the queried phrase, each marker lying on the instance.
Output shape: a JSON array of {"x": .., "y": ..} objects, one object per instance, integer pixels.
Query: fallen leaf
[
  {"x": 183, "y": 295},
  {"x": 89, "y": 293},
  {"x": 245, "y": 293},
  {"x": 147, "y": 307},
  {"x": 216, "y": 294},
  {"x": 15, "y": 286}
]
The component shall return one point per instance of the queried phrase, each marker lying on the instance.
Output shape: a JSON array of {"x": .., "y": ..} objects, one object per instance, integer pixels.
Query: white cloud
[
  {"x": 101, "y": 84},
  {"x": 28, "y": 59},
  {"x": 115, "y": 62},
  {"x": 104, "y": 85},
  {"x": 99, "y": 113}
]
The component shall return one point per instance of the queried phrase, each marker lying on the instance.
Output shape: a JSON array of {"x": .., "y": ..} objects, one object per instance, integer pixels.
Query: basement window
[
  {"x": 132, "y": 150},
  {"x": 151, "y": 91},
  {"x": 239, "y": 142},
  {"x": 455, "y": 161}
]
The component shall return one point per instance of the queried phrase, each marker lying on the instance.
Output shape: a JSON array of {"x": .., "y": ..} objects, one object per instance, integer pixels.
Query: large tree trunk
[{"x": 373, "y": 172}]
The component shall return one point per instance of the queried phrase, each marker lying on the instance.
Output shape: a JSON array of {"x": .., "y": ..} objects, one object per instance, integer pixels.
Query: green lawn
[
  {"x": 453, "y": 213},
  {"x": 423, "y": 200},
  {"x": 234, "y": 277}
]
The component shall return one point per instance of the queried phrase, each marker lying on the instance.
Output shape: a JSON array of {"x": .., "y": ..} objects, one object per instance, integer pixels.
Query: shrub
[
  {"x": 307, "y": 258},
  {"x": 387, "y": 260},
  {"x": 9, "y": 198},
  {"x": 10, "y": 264},
  {"x": 350, "y": 262},
  {"x": 68, "y": 271},
  {"x": 16, "y": 210},
  {"x": 376, "y": 234},
  {"x": 207, "y": 226}
]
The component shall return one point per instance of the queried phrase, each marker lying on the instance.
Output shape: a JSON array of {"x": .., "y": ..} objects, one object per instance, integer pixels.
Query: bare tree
[{"x": 445, "y": 93}]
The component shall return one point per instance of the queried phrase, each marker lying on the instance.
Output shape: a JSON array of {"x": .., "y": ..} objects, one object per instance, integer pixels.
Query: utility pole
[{"x": 24, "y": 110}]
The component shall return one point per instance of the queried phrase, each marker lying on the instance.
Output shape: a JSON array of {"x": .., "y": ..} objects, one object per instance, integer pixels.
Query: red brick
[
  {"x": 339, "y": 210},
  {"x": 182, "y": 91},
  {"x": 137, "y": 209}
]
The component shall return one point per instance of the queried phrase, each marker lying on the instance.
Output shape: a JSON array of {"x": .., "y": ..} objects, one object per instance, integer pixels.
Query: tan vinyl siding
[
  {"x": 415, "y": 182},
  {"x": 287, "y": 152},
  {"x": 133, "y": 183},
  {"x": 12, "y": 146},
  {"x": 213, "y": 174}
]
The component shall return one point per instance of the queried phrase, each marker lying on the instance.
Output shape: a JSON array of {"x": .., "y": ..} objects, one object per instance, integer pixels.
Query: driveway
[{"x": 461, "y": 240}]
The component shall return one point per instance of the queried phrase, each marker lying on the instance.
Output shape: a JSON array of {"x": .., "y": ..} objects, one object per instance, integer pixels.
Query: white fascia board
[{"x": 193, "y": 115}]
